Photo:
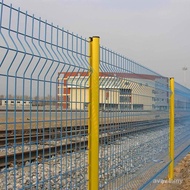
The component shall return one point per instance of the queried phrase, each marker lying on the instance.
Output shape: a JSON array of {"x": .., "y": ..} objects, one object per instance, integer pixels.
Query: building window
[
  {"x": 86, "y": 106},
  {"x": 125, "y": 98},
  {"x": 107, "y": 95},
  {"x": 125, "y": 106},
  {"x": 125, "y": 91},
  {"x": 138, "y": 106}
]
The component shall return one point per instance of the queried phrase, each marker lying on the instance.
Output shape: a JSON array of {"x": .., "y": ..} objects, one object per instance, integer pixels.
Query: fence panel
[
  {"x": 52, "y": 137},
  {"x": 181, "y": 138},
  {"x": 182, "y": 121},
  {"x": 43, "y": 120},
  {"x": 133, "y": 121}
]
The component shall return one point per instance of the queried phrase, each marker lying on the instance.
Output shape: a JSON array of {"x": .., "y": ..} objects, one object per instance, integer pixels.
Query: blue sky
[{"x": 154, "y": 33}]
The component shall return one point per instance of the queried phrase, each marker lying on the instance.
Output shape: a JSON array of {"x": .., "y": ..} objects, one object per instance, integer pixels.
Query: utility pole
[{"x": 184, "y": 74}]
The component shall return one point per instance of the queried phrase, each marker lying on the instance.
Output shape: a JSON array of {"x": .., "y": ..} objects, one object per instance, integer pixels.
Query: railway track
[
  {"x": 40, "y": 154},
  {"x": 109, "y": 132},
  {"x": 10, "y": 137}
]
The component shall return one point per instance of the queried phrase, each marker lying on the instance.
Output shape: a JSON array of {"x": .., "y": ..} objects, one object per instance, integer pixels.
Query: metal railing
[{"x": 76, "y": 115}]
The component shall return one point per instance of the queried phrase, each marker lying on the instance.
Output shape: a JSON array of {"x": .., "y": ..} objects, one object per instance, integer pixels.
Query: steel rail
[{"x": 105, "y": 138}]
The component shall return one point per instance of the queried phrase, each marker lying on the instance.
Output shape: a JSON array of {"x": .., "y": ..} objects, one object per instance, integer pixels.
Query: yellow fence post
[
  {"x": 171, "y": 132},
  {"x": 93, "y": 120}
]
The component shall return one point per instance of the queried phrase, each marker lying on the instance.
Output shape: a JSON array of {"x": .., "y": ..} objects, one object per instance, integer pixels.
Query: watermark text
[{"x": 162, "y": 181}]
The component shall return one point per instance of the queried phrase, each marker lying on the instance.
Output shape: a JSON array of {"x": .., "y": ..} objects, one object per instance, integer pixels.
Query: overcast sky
[{"x": 154, "y": 33}]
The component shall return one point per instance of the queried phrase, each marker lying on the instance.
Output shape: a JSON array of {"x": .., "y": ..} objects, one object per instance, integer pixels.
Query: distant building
[
  {"x": 120, "y": 91},
  {"x": 17, "y": 102}
]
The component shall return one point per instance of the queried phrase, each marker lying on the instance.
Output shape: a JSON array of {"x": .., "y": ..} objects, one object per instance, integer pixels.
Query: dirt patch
[{"x": 181, "y": 177}]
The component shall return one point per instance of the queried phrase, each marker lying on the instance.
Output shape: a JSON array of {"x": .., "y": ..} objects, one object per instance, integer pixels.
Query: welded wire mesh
[
  {"x": 134, "y": 122},
  {"x": 44, "y": 78},
  {"x": 43, "y": 127},
  {"x": 182, "y": 142},
  {"x": 182, "y": 121}
]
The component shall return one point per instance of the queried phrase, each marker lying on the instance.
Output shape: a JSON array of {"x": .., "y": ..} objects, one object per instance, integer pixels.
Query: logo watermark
[{"x": 163, "y": 181}]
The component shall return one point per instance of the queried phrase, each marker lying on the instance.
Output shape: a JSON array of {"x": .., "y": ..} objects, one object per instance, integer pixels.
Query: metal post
[
  {"x": 171, "y": 140},
  {"x": 93, "y": 111}
]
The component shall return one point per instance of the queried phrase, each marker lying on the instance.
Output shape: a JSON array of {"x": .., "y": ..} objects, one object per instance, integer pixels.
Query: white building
[
  {"x": 120, "y": 91},
  {"x": 17, "y": 102}
]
